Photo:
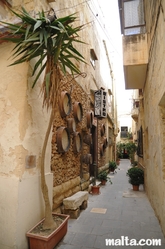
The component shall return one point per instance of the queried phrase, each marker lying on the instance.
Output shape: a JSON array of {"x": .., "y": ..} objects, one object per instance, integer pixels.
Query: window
[
  {"x": 132, "y": 17},
  {"x": 124, "y": 132},
  {"x": 93, "y": 58},
  {"x": 110, "y": 136},
  {"x": 140, "y": 142}
]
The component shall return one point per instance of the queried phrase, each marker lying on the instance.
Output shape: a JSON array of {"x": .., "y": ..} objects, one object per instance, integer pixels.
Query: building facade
[
  {"x": 80, "y": 140},
  {"x": 142, "y": 25}
]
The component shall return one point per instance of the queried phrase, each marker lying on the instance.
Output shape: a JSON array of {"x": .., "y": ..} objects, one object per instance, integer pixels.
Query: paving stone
[
  {"x": 131, "y": 216},
  {"x": 82, "y": 239}
]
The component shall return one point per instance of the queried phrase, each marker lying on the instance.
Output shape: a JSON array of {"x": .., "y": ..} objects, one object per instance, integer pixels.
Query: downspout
[
  {"x": 111, "y": 73},
  {"x": 114, "y": 107}
]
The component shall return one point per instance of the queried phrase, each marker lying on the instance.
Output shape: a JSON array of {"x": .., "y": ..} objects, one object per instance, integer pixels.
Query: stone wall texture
[
  {"x": 152, "y": 110},
  {"x": 24, "y": 122}
]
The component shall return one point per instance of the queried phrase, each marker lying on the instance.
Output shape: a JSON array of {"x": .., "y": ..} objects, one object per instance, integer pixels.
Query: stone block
[
  {"x": 75, "y": 201},
  {"x": 84, "y": 205},
  {"x": 86, "y": 176},
  {"x": 74, "y": 214},
  {"x": 85, "y": 185}
]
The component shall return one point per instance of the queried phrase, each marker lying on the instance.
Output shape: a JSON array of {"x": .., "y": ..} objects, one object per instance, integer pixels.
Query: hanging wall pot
[
  {"x": 87, "y": 138},
  {"x": 77, "y": 142},
  {"x": 102, "y": 130},
  {"x": 101, "y": 149},
  {"x": 105, "y": 143},
  {"x": 87, "y": 159},
  {"x": 77, "y": 111},
  {"x": 90, "y": 117},
  {"x": 63, "y": 139},
  {"x": 71, "y": 125},
  {"x": 65, "y": 105}
]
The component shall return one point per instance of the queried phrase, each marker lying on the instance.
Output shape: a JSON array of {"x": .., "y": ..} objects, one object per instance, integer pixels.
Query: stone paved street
[{"x": 116, "y": 212}]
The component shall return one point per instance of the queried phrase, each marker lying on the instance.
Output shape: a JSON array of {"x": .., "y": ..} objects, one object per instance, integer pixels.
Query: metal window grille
[
  {"x": 133, "y": 17},
  {"x": 124, "y": 132}
]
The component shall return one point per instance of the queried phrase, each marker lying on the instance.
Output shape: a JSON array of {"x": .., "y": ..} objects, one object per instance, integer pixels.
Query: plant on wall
[{"x": 50, "y": 41}]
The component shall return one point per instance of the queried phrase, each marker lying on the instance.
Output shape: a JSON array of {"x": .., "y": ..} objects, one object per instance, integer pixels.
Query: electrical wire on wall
[
  {"x": 101, "y": 23},
  {"x": 97, "y": 17}
]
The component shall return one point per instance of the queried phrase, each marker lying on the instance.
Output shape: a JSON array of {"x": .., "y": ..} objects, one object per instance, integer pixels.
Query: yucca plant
[{"x": 50, "y": 40}]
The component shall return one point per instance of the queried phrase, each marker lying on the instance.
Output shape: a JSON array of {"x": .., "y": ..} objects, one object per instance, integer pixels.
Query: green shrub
[
  {"x": 102, "y": 176},
  {"x": 136, "y": 176},
  {"x": 112, "y": 165}
]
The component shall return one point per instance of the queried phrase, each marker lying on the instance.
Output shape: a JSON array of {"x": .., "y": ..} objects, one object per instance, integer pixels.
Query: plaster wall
[
  {"x": 136, "y": 49},
  {"x": 93, "y": 36},
  {"x": 24, "y": 122},
  {"x": 22, "y": 127}
]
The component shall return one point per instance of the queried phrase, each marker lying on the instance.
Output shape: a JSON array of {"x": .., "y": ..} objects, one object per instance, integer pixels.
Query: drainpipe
[
  {"x": 114, "y": 109},
  {"x": 112, "y": 76}
]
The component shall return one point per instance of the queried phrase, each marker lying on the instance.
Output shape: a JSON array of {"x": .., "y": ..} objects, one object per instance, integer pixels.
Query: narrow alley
[
  {"x": 116, "y": 212},
  {"x": 82, "y": 90}
]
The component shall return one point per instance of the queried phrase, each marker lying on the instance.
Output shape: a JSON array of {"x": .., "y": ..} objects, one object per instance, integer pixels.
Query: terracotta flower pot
[
  {"x": 95, "y": 190},
  {"x": 39, "y": 241},
  {"x": 135, "y": 187},
  {"x": 103, "y": 182}
]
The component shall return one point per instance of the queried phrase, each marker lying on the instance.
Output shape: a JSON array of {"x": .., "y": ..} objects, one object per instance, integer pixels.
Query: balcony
[
  {"x": 135, "y": 60},
  {"x": 135, "y": 114}
]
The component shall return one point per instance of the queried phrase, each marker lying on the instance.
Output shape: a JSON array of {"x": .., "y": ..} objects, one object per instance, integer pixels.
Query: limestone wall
[
  {"x": 66, "y": 166},
  {"x": 22, "y": 129},
  {"x": 24, "y": 122},
  {"x": 154, "y": 109}
]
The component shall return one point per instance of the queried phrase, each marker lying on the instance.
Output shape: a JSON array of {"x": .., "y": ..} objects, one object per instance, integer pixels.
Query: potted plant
[
  {"x": 112, "y": 166},
  {"x": 95, "y": 189},
  {"x": 103, "y": 177},
  {"x": 131, "y": 149},
  {"x": 49, "y": 41},
  {"x": 119, "y": 150},
  {"x": 118, "y": 161},
  {"x": 136, "y": 177}
]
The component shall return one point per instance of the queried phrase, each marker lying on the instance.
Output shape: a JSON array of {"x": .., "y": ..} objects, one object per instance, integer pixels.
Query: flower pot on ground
[
  {"x": 103, "y": 182},
  {"x": 136, "y": 177},
  {"x": 135, "y": 187},
  {"x": 95, "y": 190},
  {"x": 50, "y": 42},
  {"x": 112, "y": 166},
  {"x": 103, "y": 177},
  {"x": 39, "y": 238}
]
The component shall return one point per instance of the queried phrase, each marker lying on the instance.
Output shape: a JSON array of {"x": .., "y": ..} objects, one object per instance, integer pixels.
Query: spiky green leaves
[{"x": 39, "y": 37}]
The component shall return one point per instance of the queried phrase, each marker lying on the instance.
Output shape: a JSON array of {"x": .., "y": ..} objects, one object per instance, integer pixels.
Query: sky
[{"x": 109, "y": 9}]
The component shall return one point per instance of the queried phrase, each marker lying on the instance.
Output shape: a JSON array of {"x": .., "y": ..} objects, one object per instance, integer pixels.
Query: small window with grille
[
  {"x": 140, "y": 142},
  {"x": 124, "y": 132},
  {"x": 132, "y": 17},
  {"x": 93, "y": 58}
]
